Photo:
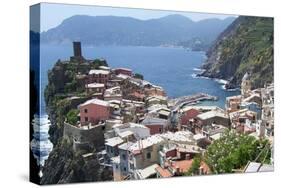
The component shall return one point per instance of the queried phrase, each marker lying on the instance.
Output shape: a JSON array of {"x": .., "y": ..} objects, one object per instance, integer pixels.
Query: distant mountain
[
  {"x": 112, "y": 30},
  {"x": 245, "y": 46}
]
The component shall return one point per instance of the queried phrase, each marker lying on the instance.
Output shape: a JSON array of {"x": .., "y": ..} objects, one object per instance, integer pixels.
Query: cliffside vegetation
[
  {"x": 245, "y": 46},
  {"x": 138, "y": 76},
  {"x": 64, "y": 165},
  {"x": 63, "y": 82},
  {"x": 72, "y": 116},
  {"x": 64, "y": 78}
]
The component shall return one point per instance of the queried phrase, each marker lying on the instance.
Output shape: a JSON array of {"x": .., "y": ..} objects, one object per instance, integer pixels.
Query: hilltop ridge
[{"x": 174, "y": 30}]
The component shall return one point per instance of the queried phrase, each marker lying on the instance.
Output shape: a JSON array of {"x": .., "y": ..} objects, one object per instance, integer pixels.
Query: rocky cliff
[
  {"x": 65, "y": 165},
  {"x": 245, "y": 46}
]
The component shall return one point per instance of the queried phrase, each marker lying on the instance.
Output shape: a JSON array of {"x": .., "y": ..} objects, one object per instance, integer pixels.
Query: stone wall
[{"x": 92, "y": 137}]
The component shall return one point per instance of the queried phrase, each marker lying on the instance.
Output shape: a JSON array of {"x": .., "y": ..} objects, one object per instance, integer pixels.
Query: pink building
[
  {"x": 94, "y": 111},
  {"x": 124, "y": 71}
]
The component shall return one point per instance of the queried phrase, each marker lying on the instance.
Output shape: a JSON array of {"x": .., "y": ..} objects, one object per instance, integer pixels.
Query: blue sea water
[{"x": 171, "y": 68}]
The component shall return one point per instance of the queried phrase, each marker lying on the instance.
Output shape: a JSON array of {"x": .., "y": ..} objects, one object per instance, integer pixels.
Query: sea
[{"x": 172, "y": 68}]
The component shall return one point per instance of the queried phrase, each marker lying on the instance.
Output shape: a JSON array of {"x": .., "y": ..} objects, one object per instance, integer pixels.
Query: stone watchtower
[
  {"x": 77, "y": 52},
  {"x": 77, "y": 49},
  {"x": 246, "y": 86}
]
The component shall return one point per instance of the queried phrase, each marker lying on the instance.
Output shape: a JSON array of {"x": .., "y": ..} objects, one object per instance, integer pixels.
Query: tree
[
  {"x": 139, "y": 76},
  {"x": 98, "y": 62},
  {"x": 233, "y": 151},
  {"x": 195, "y": 166},
  {"x": 72, "y": 116},
  {"x": 71, "y": 87}
]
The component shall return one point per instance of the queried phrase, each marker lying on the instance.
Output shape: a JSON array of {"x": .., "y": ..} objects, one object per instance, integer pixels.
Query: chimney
[{"x": 77, "y": 49}]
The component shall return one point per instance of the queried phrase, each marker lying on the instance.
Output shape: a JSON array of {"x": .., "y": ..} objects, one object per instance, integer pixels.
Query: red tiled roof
[
  {"x": 192, "y": 113},
  {"x": 165, "y": 173},
  {"x": 189, "y": 114},
  {"x": 185, "y": 165}
]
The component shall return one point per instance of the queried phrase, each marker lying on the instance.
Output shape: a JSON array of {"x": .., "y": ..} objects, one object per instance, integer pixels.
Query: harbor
[{"x": 190, "y": 100}]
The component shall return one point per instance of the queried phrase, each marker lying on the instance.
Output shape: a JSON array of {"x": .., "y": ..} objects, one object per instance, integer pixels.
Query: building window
[
  {"x": 86, "y": 118},
  {"x": 124, "y": 156},
  {"x": 86, "y": 110},
  {"x": 125, "y": 169},
  {"x": 148, "y": 155}
]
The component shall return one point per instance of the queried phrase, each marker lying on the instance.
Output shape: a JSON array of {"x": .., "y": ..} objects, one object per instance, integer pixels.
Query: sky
[{"x": 53, "y": 14}]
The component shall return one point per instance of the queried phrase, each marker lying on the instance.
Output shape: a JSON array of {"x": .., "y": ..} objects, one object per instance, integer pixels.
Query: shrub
[{"x": 72, "y": 116}]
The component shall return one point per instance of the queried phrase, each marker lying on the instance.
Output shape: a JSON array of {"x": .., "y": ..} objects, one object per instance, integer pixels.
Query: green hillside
[{"x": 245, "y": 46}]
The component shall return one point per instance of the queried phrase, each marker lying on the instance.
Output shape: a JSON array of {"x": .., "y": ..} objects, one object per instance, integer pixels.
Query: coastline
[
  {"x": 224, "y": 83},
  {"x": 151, "y": 99}
]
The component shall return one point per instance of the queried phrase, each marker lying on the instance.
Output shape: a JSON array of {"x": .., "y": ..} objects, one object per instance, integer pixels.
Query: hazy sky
[{"x": 53, "y": 14}]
